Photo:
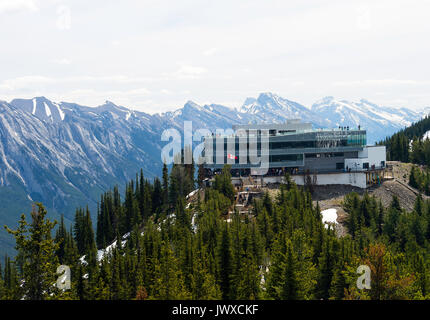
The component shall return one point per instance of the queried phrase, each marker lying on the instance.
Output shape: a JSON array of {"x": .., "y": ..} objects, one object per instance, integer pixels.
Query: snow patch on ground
[
  {"x": 34, "y": 106},
  {"x": 426, "y": 135},
  {"x": 47, "y": 110},
  {"x": 192, "y": 193},
  {"x": 61, "y": 112},
  {"x": 82, "y": 260},
  {"x": 193, "y": 223},
  {"x": 329, "y": 216},
  {"x": 103, "y": 252}
]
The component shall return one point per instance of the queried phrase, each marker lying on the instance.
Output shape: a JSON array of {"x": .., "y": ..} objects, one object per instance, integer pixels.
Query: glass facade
[
  {"x": 290, "y": 149},
  {"x": 286, "y": 157},
  {"x": 357, "y": 139}
]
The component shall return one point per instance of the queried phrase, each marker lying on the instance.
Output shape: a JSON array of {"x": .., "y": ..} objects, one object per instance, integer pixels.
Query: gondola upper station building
[{"x": 330, "y": 156}]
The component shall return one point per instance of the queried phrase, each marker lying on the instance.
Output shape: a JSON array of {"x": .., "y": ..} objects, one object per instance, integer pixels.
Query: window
[
  {"x": 292, "y": 144},
  {"x": 340, "y": 165},
  {"x": 286, "y": 157},
  {"x": 311, "y": 155},
  {"x": 286, "y": 131}
]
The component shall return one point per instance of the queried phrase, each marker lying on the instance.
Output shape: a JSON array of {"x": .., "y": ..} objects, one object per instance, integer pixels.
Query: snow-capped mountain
[
  {"x": 330, "y": 112},
  {"x": 269, "y": 107},
  {"x": 207, "y": 116},
  {"x": 65, "y": 154},
  {"x": 378, "y": 121},
  {"x": 41, "y": 107}
]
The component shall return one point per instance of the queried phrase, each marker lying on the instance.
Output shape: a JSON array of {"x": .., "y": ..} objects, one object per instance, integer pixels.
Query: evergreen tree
[
  {"x": 201, "y": 175},
  {"x": 169, "y": 282},
  {"x": 36, "y": 250},
  {"x": 165, "y": 185},
  {"x": 225, "y": 266},
  {"x": 60, "y": 240},
  {"x": 290, "y": 284},
  {"x": 326, "y": 269}
]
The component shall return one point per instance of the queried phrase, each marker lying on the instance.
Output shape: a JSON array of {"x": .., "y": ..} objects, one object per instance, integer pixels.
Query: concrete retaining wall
[{"x": 356, "y": 179}]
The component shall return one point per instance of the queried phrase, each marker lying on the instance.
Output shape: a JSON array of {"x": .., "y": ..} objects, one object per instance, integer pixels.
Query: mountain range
[{"x": 65, "y": 154}]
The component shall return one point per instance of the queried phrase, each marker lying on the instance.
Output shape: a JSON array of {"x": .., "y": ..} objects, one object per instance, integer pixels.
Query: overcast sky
[{"x": 153, "y": 56}]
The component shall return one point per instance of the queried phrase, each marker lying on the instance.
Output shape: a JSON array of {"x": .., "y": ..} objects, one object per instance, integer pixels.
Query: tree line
[
  {"x": 408, "y": 144},
  {"x": 155, "y": 244}
]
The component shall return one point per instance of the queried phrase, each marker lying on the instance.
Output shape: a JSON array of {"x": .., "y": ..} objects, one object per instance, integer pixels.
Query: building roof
[{"x": 294, "y": 124}]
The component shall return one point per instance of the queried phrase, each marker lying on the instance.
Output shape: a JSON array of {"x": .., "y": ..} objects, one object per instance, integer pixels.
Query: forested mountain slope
[{"x": 281, "y": 250}]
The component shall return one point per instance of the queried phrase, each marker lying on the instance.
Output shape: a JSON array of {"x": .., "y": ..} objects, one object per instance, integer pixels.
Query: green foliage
[
  {"x": 420, "y": 179},
  {"x": 36, "y": 259},
  {"x": 223, "y": 183},
  {"x": 280, "y": 249}
]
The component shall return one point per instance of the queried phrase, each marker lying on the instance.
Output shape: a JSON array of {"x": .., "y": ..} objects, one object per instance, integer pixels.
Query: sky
[{"x": 155, "y": 55}]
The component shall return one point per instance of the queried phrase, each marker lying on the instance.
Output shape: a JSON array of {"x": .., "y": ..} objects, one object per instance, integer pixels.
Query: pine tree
[
  {"x": 88, "y": 231},
  {"x": 326, "y": 269},
  {"x": 11, "y": 288},
  {"x": 289, "y": 286},
  {"x": 223, "y": 183},
  {"x": 203, "y": 283},
  {"x": 60, "y": 240},
  {"x": 36, "y": 250},
  {"x": 392, "y": 219},
  {"x": 380, "y": 219},
  {"x": 78, "y": 230},
  {"x": 131, "y": 207},
  {"x": 412, "y": 178},
  {"x": 147, "y": 201},
  {"x": 339, "y": 284},
  {"x": 157, "y": 196},
  {"x": 249, "y": 285},
  {"x": 165, "y": 185},
  {"x": 201, "y": 175},
  {"x": 225, "y": 264},
  {"x": 421, "y": 274},
  {"x": 169, "y": 282},
  {"x": 265, "y": 225}
]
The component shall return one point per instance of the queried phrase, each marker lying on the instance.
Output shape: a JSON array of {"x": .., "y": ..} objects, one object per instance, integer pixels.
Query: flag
[{"x": 231, "y": 156}]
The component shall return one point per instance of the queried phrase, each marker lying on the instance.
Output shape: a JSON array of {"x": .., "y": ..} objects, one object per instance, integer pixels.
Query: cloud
[
  {"x": 210, "y": 52},
  {"x": 380, "y": 82},
  {"x": 38, "y": 80},
  {"x": 203, "y": 52},
  {"x": 17, "y": 5},
  {"x": 82, "y": 89},
  {"x": 189, "y": 72},
  {"x": 24, "y": 82},
  {"x": 63, "y": 61},
  {"x": 298, "y": 83}
]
